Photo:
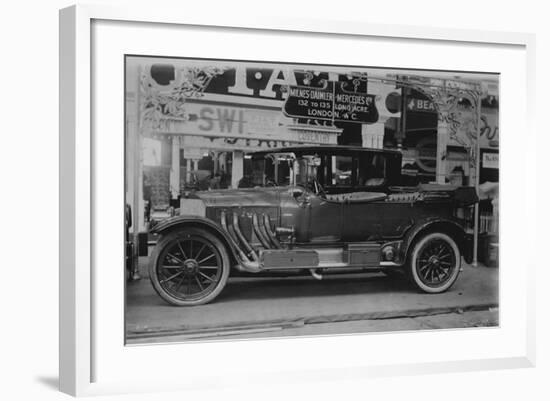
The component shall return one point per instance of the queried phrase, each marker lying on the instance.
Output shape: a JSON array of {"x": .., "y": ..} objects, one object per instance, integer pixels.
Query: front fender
[
  {"x": 182, "y": 219},
  {"x": 173, "y": 223}
]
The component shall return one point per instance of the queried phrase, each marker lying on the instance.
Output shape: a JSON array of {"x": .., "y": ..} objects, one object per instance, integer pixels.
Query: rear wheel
[
  {"x": 189, "y": 267},
  {"x": 434, "y": 263}
]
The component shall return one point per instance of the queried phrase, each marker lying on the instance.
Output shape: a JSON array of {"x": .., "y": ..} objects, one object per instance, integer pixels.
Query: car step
[{"x": 333, "y": 258}]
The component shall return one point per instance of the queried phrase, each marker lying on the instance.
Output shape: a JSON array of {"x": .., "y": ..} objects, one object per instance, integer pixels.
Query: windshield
[
  {"x": 274, "y": 169},
  {"x": 335, "y": 172}
]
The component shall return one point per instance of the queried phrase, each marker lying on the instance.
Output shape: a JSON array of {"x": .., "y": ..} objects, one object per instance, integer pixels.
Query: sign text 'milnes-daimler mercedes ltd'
[{"x": 330, "y": 103}]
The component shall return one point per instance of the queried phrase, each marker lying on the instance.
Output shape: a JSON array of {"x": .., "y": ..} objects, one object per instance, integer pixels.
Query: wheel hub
[
  {"x": 434, "y": 260},
  {"x": 190, "y": 266}
]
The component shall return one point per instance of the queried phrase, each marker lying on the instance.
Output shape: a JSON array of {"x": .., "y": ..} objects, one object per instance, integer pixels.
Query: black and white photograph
[
  {"x": 270, "y": 199},
  {"x": 291, "y": 200}
]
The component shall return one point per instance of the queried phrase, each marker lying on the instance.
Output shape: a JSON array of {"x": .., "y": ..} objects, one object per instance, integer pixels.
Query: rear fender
[{"x": 449, "y": 227}]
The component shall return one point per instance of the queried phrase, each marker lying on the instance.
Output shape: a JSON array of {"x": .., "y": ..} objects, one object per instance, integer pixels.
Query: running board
[{"x": 354, "y": 255}]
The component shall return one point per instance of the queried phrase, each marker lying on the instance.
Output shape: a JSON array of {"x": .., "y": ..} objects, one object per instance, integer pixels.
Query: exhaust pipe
[
  {"x": 223, "y": 221},
  {"x": 258, "y": 232},
  {"x": 242, "y": 238},
  {"x": 249, "y": 267},
  {"x": 269, "y": 233},
  {"x": 315, "y": 273},
  {"x": 245, "y": 264}
]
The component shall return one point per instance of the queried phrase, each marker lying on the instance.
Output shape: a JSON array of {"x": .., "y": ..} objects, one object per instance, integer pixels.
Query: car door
[
  {"x": 325, "y": 213},
  {"x": 325, "y": 219},
  {"x": 313, "y": 218},
  {"x": 363, "y": 220}
]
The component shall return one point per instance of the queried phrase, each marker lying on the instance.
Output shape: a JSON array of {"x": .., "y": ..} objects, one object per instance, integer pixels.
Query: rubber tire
[
  {"x": 413, "y": 274},
  {"x": 183, "y": 233}
]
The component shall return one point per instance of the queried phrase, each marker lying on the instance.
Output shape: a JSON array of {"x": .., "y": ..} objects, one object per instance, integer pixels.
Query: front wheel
[
  {"x": 189, "y": 267},
  {"x": 434, "y": 263}
]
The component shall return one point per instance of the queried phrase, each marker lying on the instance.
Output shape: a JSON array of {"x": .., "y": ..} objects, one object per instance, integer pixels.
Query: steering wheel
[{"x": 318, "y": 188}]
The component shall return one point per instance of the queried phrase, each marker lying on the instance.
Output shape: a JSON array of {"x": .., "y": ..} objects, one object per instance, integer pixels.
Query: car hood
[{"x": 259, "y": 197}]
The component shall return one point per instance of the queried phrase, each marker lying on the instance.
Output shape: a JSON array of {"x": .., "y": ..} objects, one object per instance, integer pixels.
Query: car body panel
[{"x": 347, "y": 220}]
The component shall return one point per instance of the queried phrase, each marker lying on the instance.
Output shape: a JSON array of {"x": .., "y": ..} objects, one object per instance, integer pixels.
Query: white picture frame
[{"x": 83, "y": 353}]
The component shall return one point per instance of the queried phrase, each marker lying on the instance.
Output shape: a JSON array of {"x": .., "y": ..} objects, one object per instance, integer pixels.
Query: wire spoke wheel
[
  {"x": 189, "y": 267},
  {"x": 435, "y": 263}
]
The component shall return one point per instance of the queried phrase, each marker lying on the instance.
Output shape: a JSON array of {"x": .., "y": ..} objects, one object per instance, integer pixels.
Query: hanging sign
[
  {"x": 330, "y": 103},
  {"x": 211, "y": 120},
  {"x": 423, "y": 105}
]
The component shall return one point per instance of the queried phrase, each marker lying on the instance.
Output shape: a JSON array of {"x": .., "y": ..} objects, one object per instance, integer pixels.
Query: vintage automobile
[{"x": 321, "y": 210}]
